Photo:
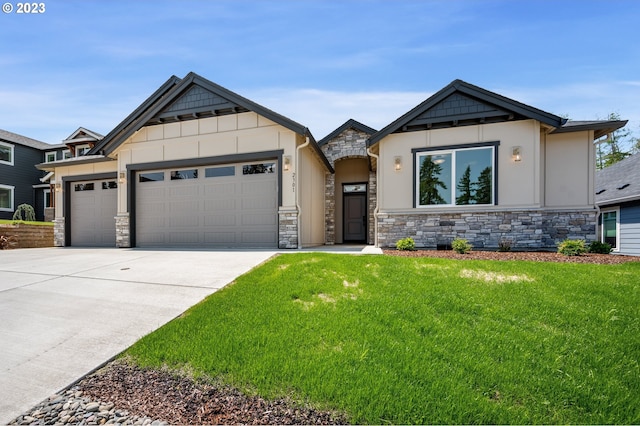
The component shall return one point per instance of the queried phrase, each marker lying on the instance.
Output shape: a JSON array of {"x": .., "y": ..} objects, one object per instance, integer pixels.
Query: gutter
[
  {"x": 376, "y": 210},
  {"x": 298, "y": 209}
]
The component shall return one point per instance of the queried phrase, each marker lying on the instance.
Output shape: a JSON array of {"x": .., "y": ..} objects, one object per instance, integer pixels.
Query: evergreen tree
[
  {"x": 465, "y": 187},
  {"x": 612, "y": 149},
  {"x": 484, "y": 187},
  {"x": 429, "y": 183}
]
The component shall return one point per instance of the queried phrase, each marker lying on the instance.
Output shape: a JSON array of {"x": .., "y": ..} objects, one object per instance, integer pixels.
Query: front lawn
[{"x": 418, "y": 340}]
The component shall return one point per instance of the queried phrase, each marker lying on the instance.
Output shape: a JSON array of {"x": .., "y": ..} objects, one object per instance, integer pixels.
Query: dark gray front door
[{"x": 355, "y": 217}]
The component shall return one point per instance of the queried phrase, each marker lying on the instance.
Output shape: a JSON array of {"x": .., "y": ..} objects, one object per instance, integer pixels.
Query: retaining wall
[{"x": 29, "y": 236}]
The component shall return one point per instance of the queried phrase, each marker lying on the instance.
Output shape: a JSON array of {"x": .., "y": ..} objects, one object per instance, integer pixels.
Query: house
[
  {"x": 20, "y": 182},
  {"x": 618, "y": 197},
  {"x": 199, "y": 165}
]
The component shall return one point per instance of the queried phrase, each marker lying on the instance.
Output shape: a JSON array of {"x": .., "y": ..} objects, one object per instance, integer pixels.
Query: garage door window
[
  {"x": 256, "y": 169},
  {"x": 110, "y": 185},
  {"x": 151, "y": 177},
  {"x": 84, "y": 187},
  {"x": 184, "y": 174},
  {"x": 220, "y": 171}
]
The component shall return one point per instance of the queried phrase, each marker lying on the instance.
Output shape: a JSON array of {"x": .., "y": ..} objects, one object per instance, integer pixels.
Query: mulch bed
[
  {"x": 603, "y": 259},
  {"x": 180, "y": 400}
]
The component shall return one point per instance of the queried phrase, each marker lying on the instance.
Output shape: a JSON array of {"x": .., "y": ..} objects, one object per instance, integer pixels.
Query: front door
[{"x": 354, "y": 213}]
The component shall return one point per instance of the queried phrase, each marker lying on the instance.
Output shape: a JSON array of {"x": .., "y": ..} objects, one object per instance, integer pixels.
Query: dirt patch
[{"x": 603, "y": 259}]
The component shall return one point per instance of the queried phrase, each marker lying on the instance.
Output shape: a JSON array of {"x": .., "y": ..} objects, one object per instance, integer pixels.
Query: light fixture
[
  {"x": 58, "y": 187},
  {"x": 287, "y": 163},
  {"x": 397, "y": 163},
  {"x": 121, "y": 178},
  {"x": 516, "y": 153}
]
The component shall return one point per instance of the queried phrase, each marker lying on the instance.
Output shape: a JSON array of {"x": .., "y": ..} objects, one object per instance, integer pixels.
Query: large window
[
  {"x": 6, "y": 153},
  {"x": 455, "y": 177},
  {"x": 610, "y": 227},
  {"x": 6, "y": 198}
]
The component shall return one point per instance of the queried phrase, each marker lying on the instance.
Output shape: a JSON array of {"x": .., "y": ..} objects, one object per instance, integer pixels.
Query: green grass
[
  {"x": 17, "y": 222},
  {"x": 407, "y": 341}
]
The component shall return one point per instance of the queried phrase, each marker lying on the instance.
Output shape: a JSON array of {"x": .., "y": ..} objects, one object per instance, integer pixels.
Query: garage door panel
[
  {"x": 216, "y": 208},
  {"x": 93, "y": 207}
]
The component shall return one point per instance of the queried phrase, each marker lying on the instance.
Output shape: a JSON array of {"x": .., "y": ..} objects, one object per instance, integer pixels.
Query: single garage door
[
  {"x": 232, "y": 205},
  {"x": 93, "y": 211}
]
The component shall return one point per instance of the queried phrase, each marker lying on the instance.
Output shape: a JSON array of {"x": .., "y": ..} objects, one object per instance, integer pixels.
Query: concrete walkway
[{"x": 65, "y": 311}]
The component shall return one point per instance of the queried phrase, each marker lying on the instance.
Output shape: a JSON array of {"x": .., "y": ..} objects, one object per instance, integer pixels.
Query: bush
[
  {"x": 29, "y": 213},
  {"x": 406, "y": 244},
  {"x": 460, "y": 245},
  {"x": 572, "y": 247},
  {"x": 600, "y": 248},
  {"x": 8, "y": 241},
  {"x": 504, "y": 245}
]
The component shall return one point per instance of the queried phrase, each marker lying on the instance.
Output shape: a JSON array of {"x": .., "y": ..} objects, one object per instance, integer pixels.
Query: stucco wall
[{"x": 311, "y": 177}]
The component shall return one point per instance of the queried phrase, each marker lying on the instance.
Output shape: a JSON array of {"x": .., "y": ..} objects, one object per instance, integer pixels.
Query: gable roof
[
  {"x": 83, "y": 135},
  {"x": 23, "y": 140},
  {"x": 619, "y": 182},
  {"x": 461, "y": 103},
  {"x": 349, "y": 124}
]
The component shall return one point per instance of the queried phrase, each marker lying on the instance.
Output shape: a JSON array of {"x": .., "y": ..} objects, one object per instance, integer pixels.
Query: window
[
  {"x": 255, "y": 169},
  {"x": 220, "y": 171},
  {"x": 184, "y": 174},
  {"x": 82, "y": 150},
  {"x": 66, "y": 154},
  {"x": 6, "y": 154},
  {"x": 48, "y": 200},
  {"x": 112, "y": 184},
  {"x": 455, "y": 177},
  {"x": 357, "y": 187},
  {"x": 610, "y": 227},
  {"x": 84, "y": 187},
  {"x": 151, "y": 177},
  {"x": 6, "y": 198},
  {"x": 50, "y": 157}
]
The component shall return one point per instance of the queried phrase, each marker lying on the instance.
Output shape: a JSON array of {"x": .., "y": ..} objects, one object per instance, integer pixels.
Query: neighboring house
[
  {"x": 618, "y": 196},
  {"x": 20, "y": 182},
  {"x": 198, "y": 165}
]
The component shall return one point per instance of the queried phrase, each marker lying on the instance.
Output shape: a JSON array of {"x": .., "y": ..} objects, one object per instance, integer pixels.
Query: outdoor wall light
[
  {"x": 122, "y": 178},
  {"x": 397, "y": 163},
  {"x": 516, "y": 153},
  {"x": 58, "y": 187},
  {"x": 287, "y": 163}
]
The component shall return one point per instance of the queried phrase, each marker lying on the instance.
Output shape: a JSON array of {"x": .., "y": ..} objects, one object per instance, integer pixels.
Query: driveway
[{"x": 65, "y": 311}]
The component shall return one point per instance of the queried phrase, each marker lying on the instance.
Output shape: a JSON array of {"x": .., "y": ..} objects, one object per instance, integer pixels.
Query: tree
[
  {"x": 484, "y": 187},
  {"x": 465, "y": 187},
  {"x": 430, "y": 181},
  {"x": 612, "y": 149}
]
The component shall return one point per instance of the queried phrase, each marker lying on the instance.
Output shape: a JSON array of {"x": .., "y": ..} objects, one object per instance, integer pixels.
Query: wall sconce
[
  {"x": 58, "y": 187},
  {"x": 516, "y": 153},
  {"x": 397, "y": 163},
  {"x": 122, "y": 178},
  {"x": 287, "y": 163}
]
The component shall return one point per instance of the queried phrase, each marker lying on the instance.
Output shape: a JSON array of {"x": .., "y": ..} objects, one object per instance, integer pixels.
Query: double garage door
[{"x": 231, "y": 205}]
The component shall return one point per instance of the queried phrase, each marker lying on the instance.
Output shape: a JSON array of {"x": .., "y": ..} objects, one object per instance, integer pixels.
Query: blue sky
[{"x": 90, "y": 63}]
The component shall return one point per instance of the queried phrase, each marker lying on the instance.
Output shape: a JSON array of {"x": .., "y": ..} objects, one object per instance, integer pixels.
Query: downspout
[
  {"x": 377, "y": 208},
  {"x": 298, "y": 209}
]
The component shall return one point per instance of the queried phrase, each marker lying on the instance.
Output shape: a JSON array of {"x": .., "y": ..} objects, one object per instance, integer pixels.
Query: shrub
[
  {"x": 572, "y": 247},
  {"x": 600, "y": 248},
  {"x": 29, "y": 213},
  {"x": 460, "y": 245},
  {"x": 8, "y": 241},
  {"x": 504, "y": 245},
  {"x": 406, "y": 244}
]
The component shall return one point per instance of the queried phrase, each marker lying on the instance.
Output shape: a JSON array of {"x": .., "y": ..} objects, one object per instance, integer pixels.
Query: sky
[{"x": 91, "y": 63}]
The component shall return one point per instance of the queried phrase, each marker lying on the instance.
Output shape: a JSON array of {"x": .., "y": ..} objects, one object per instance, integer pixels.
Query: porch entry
[{"x": 354, "y": 207}]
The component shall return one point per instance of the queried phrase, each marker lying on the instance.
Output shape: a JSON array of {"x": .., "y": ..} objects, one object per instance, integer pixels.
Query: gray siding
[{"x": 630, "y": 229}]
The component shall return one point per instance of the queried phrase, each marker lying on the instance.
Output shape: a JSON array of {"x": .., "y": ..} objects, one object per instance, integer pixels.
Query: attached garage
[
  {"x": 93, "y": 207},
  {"x": 222, "y": 205}
]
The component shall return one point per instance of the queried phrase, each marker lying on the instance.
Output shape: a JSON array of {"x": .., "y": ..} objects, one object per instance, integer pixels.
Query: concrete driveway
[{"x": 64, "y": 311}]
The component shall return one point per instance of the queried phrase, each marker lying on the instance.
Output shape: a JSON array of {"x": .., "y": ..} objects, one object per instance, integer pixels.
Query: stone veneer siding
[
  {"x": 123, "y": 231},
  {"x": 58, "y": 232},
  {"x": 287, "y": 229},
  {"x": 523, "y": 229},
  {"x": 329, "y": 209}
]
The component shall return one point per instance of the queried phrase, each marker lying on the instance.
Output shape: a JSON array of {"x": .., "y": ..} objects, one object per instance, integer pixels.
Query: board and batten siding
[{"x": 630, "y": 229}]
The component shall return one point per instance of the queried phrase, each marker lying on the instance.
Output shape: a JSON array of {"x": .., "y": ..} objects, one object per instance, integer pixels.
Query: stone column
[
  {"x": 58, "y": 232},
  {"x": 330, "y": 209},
  {"x": 288, "y": 229},
  {"x": 123, "y": 230}
]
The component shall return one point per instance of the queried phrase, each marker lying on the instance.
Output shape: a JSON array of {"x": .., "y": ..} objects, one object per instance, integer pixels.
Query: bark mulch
[{"x": 603, "y": 259}]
